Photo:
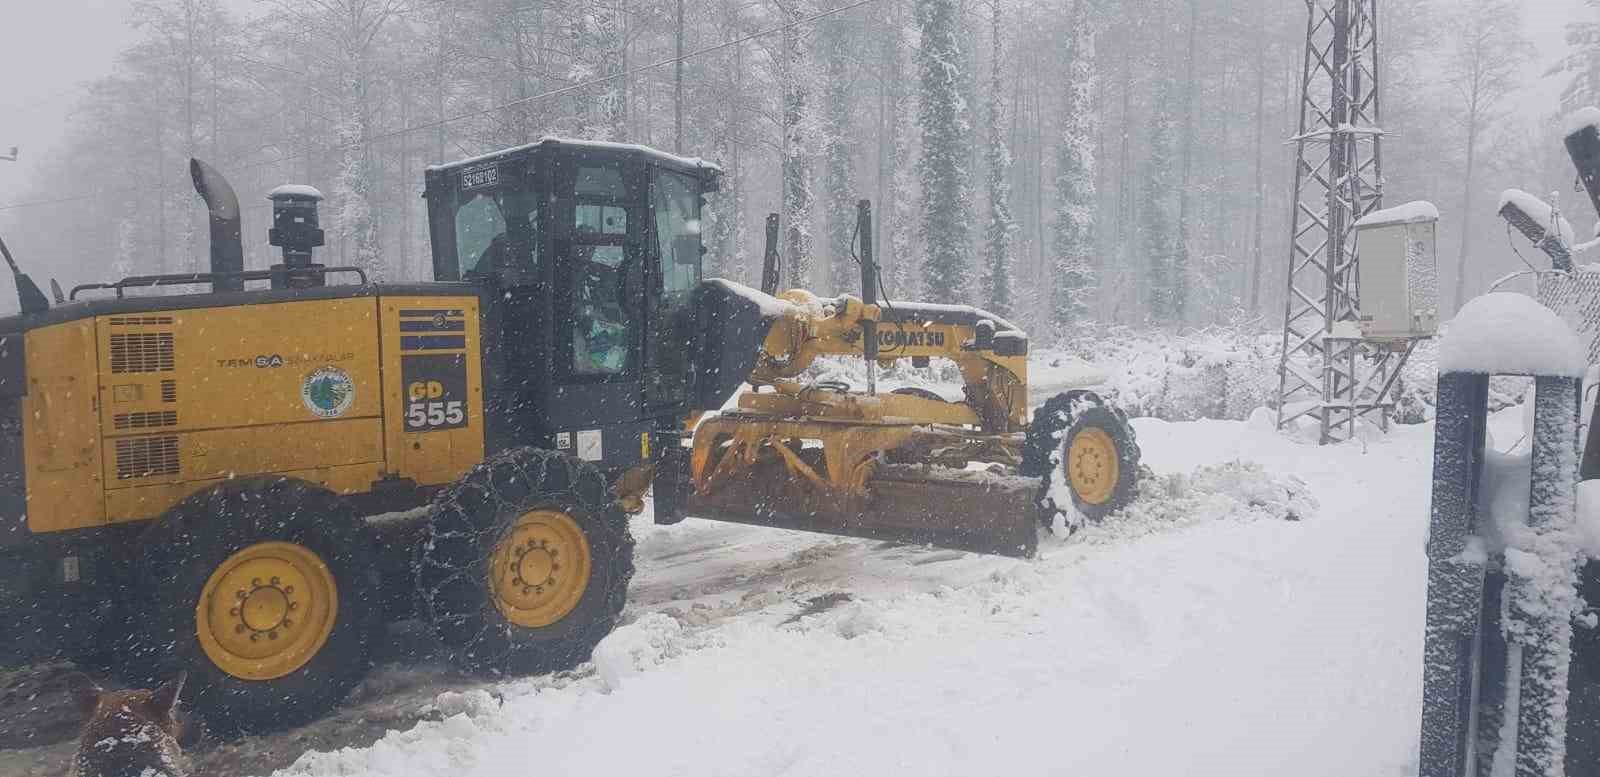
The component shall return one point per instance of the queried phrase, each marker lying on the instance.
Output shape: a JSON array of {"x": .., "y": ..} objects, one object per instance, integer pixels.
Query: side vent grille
[
  {"x": 143, "y": 457},
  {"x": 141, "y": 320},
  {"x": 141, "y": 352},
  {"x": 145, "y": 420},
  {"x": 169, "y": 391}
]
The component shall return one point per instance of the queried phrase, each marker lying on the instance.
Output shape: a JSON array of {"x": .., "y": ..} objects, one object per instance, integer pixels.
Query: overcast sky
[{"x": 49, "y": 47}]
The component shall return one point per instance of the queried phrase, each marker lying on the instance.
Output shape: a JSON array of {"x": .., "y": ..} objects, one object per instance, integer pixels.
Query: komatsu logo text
[{"x": 898, "y": 339}]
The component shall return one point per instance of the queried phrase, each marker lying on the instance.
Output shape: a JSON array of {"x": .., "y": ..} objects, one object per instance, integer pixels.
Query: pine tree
[
  {"x": 896, "y": 210},
  {"x": 1159, "y": 225},
  {"x": 1074, "y": 238},
  {"x": 1582, "y": 61},
  {"x": 946, "y": 149},
  {"x": 997, "y": 282}
]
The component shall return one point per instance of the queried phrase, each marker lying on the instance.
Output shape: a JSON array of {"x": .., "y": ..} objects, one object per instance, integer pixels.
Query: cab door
[{"x": 598, "y": 239}]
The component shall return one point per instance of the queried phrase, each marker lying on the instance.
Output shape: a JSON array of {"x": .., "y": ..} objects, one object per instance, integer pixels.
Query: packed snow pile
[
  {"x": 1409, "y": 213},
  {"x": 1508, "y": 333},
  {"x": 1237, "y": 491}
]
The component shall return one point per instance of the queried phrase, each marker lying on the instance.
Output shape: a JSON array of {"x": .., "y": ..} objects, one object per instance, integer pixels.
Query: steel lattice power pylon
[{"x": 1327, "y": 371}]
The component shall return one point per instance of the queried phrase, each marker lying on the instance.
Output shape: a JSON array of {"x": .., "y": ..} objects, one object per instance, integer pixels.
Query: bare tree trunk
[
  {"x": 1466, "y": 212},
  {"x": 1184, "y": 212},
  {"x": 1259, "y": 187}
]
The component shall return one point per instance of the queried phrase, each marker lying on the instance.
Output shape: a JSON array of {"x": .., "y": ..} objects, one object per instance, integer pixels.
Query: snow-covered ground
[{"x": 1201, "y": 634}]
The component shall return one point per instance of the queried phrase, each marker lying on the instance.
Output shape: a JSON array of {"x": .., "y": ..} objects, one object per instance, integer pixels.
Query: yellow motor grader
[{"x": 182, "y": 476}]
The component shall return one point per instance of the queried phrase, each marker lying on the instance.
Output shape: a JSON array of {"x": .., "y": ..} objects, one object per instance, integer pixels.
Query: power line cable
[{"x": 557, "y": 92}]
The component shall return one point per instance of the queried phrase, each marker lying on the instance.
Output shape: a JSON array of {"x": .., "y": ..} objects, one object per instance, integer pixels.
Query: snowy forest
[{"x": 1059, "y": 161}]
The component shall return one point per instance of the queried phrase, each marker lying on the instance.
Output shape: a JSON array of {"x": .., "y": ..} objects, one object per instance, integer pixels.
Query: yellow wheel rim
[
  {"x": 540, "y": 569},
  {"x": 1092, "y": 466},
  {"x": 266, "y": 610}
]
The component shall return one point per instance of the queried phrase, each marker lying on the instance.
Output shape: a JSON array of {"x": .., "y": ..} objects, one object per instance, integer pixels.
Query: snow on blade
[
  {"x": 1583, "y": 117},
  {"x": 1409, "y": 213},
  {"x": 1510, "y": 334},
  {"x": 1540, "y": 211}
]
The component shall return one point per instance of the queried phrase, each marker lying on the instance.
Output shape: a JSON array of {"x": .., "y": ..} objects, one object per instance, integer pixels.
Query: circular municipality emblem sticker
[{"x": 328, "y": 392}]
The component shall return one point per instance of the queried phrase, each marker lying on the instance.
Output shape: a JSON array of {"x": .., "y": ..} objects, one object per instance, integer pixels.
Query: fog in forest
[{"x": 1062, "y": 162}]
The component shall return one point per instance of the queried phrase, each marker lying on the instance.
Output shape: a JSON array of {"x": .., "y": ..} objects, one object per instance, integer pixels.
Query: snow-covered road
[{"x": 1197, "y": 637}]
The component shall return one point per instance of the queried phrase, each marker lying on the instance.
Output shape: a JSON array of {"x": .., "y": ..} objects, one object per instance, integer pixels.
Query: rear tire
[
  {"x": 219, "y": 569},
  {"x": 491, "y": 580}
]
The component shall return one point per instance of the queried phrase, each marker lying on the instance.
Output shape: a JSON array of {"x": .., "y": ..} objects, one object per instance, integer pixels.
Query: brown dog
[{"x": 130, "y": 733}]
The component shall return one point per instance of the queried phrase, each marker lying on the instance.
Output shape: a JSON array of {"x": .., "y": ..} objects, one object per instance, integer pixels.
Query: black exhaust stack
[{"x": 227, "y": 251}]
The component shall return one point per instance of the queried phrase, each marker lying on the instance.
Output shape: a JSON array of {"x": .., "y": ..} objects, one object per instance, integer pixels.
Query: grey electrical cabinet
[{"x": 1399, "y": 272}]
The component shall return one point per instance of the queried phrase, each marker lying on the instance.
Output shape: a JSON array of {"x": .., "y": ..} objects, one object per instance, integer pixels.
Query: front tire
[
  {"x": 265, "y": 590},
  {"x": 1086, "y": 455},
  {"x": 526, "y": 563}
]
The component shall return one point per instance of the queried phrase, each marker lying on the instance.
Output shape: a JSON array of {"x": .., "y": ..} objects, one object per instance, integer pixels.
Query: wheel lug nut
[
  {"x": 239, "y": 629},
  {"x": 526, "y": 590},
  {"x": 274, "y": 581},
  {"x": 233, "y": 611},
  {"x": 255, "y": 581},
  {"x": 294, "y": 605},
  {"x": 254, "y": 637},
  {"x": 287, "y": 623},
  {"x": 288, "y": 589},
  {"x": 272, "y": 635}
]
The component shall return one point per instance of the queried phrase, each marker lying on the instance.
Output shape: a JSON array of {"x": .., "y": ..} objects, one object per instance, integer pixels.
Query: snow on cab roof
[
  {"x": 598, "y": 145},
  {"x": 1505, "y": 333},
  {"x": 1409, "y": 213},
  {"x": 1583, "y": 117}
]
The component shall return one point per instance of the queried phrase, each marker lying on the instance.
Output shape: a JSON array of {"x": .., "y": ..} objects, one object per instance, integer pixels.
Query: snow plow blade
[{"x": 970, "y": 511}]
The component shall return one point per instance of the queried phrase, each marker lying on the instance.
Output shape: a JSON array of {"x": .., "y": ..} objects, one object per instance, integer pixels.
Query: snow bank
[
  {"x": 1510, "y": 333},
  {"x": 1583, "y": 117},
  {"x": 1541, "y": 212},
  {"x": 1218, "y": 373},
  {"x": 1409, "y": 213}
]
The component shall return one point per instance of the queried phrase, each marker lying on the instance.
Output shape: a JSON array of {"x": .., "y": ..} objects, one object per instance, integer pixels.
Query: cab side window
[
  {"x": 497, "y": 234},
  {"x": 479, "y": 223}
]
